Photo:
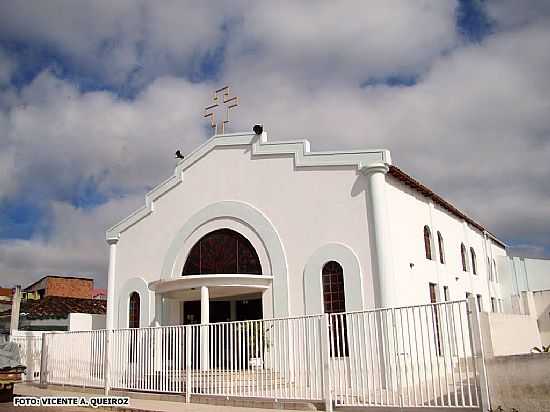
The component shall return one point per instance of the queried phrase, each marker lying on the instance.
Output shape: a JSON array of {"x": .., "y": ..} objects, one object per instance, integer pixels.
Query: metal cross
[{"x": 221, "y": 101}]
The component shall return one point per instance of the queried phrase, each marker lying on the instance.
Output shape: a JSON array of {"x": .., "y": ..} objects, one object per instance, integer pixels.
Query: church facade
[{"x": 247, "y": 228}]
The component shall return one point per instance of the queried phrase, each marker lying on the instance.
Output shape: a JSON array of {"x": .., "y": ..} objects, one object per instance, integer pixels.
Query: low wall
[
  {"x": 508, "y": 334},
  {"x": 86, "y": 321},
  {"x": 520, "y": 381}
]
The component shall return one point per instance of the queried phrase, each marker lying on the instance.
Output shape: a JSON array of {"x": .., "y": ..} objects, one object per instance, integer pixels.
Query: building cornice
[{"x": 261, "y": 147}]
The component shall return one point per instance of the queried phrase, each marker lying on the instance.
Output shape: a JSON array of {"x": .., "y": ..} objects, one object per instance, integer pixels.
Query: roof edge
[
  {"x": 408, "y": 180},
  {"x": 299, "y": 149}
]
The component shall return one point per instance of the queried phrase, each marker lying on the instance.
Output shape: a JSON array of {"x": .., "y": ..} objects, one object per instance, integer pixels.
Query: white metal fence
[
  {"x": 75, "y": 358},
  {"x": 30, "y": 348},
  {"x": 411, "y": 356}
]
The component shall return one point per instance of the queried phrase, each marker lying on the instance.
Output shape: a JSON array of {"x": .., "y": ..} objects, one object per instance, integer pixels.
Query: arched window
[
  {"x": 474, "y": 262},
  {"x": 333, "y": 288},
  {"x": 464, "y": 259},
  {"x": 428, "y": 242},
  {"x": 495, "y": 274},
  {"x": 441, "y": 247},
  {"x": 334, "y": 300},
  {"x": 489, "y": 268},
  {"x": 134, "y": 310},
  {"x": 222, "y": 251}
]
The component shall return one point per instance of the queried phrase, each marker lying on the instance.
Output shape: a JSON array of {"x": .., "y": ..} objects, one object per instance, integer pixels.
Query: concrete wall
[
  {"x": 542, "y": 308},
  {"x": 508, "y": 334},
  {"x": 521, "y": 382},
  {"x": 522, "y": 274},
  {"x": 86, "y": 321}
]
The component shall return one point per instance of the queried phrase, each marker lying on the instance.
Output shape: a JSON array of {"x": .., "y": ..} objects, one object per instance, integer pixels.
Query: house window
[
  {"x": 133, "y": 311},
  {"x": 334, "y": 301},
  {"x": 489, "y": 268},
  {"x": 428, "y": 242},
  {"x": 464, "y": 259},
  {"x": 479, "y": 302},
  {"x": 441, "y": 247},
  {"x": 494, "y": 305},
  {"x": 474, "y": 262},
  {"x": 495, "y": 271}
]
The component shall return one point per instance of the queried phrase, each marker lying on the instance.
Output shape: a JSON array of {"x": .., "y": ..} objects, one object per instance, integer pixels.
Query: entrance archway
[{"x": 222, "y": 251}]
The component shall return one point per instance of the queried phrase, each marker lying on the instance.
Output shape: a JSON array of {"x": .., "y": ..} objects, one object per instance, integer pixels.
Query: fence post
[
  {"x": 43, "y": 360},
  {"x": 478, "y": 354},
  {"x": 107, "y": 363},
  {"x": 326, "y": 378},
  {"x": 187, "y": 331}
]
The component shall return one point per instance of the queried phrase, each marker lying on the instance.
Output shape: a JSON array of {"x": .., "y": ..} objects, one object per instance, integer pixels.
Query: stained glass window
[
  {"x": 133, "y": 311},
  {"x": 222, "y": 251}
]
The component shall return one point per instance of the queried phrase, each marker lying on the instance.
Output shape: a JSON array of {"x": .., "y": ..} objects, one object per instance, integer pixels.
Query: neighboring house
[
  {"x": 65, "y": 286},
  {"x": 54, "y": 313},
  {"x": 99, "y": 294},
  {"x": 246, "y": 229},
  {"x": 5, "y": 295},
  {"x": 58, "y": 303}
]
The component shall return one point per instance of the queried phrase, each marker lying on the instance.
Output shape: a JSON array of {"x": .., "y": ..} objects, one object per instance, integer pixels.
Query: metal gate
[{"x": 416, "y": 356}]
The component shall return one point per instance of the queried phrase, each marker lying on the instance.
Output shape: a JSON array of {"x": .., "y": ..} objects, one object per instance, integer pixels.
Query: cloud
[
  {"x": 7, "y": 67},
  {"x": 123, "y": 41},
  {"x": 61, "y": 138},
  {"x": 474, "y": 125},
  {"x": 75, "y": 247}
]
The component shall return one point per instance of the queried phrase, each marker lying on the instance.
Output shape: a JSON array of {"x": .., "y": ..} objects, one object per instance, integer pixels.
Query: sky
[{"x": 95, "y": 97}]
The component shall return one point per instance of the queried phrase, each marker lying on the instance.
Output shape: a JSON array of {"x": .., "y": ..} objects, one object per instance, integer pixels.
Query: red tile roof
[
  {"x": 55, "y": 307},
  {"x": 424, "y": 190}
]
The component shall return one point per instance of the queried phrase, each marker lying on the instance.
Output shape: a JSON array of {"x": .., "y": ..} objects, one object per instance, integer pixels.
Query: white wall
[
  {"x": 86, "y": 321},
  {"x": 308, "y": 207},
  {"x": 521, "y": 274},
  {"x": 508, "y": 334},
  {"x": 409, "y": 212},
  {"x": 542, "y": 307}
]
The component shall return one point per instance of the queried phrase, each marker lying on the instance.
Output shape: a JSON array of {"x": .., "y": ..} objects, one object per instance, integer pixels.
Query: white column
[
  {"x": 205, "y": 320},
  {"x": 381, "y": 247},
  {"x": 15, "y": 309},
  {"x": 110, "y": 312},
  {"x": 111, "y": 284}
]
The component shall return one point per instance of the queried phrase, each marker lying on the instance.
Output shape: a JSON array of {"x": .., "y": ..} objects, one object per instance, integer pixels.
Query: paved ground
[{"x": 153, "y": 405}]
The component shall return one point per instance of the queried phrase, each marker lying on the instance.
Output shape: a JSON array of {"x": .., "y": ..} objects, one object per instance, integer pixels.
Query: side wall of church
[
  {"x": 308, "y": 207},
  {"x": 409, "y": 212}
]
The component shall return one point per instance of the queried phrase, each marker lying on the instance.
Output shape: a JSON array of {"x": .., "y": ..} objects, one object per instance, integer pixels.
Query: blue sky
[{"x": 95, "y": 97}]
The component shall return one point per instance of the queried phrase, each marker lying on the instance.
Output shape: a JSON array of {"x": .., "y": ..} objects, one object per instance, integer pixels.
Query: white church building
[{"x": 248, "y": 228}]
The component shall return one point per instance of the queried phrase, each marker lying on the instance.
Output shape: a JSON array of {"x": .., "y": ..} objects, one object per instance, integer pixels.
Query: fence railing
[
  {"x": 75, "y": 358},
  {"x": 411, "y": 356},
  {"x": 30, "y": 349}
]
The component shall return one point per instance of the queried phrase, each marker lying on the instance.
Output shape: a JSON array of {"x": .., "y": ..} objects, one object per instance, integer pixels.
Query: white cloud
[
  {"x": 121, "y": 41},
  {"x": 61, "y": 137},
  {"x": 7, "y": 67},
  {"x": 475, "y": 127},
  {"x": 76, "y": 246}
]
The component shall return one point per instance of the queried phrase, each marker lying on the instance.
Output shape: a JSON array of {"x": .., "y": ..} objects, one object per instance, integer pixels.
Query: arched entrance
[
  {"x": 224, "y": 252},
  {"x": 220, "y": 280}
]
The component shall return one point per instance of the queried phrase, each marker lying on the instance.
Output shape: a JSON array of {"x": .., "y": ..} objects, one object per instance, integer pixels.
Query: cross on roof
[{"x": 222, "y": 102}]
